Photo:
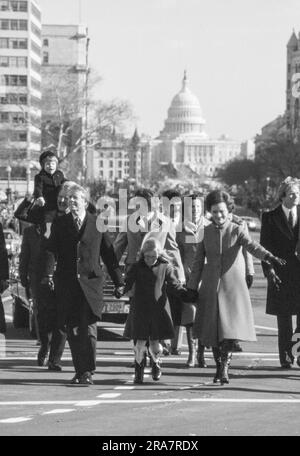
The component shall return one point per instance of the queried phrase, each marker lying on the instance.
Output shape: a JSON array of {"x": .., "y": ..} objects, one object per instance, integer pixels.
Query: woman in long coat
[{"x": 224, "y": 313}]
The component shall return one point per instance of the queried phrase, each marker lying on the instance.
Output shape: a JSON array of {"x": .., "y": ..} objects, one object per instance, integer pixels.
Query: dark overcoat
[
  {"x": 78, "y": 260},
  {"x": 150, "y": 317},
  {"x": 278, "y": 238}
]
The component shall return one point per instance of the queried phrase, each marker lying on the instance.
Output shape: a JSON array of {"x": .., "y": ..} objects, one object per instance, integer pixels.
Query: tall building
[
  {"x": 292, "y": 87},
  {"x": 20, "y": 84},
  {"x": 183, "y": 142},
  {"x": 64, "y": 91}
]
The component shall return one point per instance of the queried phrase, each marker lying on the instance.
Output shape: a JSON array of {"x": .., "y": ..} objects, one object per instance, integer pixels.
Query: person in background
[
  {"x": 4, "y": 276},
  {"x": 224, "y": 313},
  {"x": 280, "y": 235},
  {"x": 188, "y": 239}
]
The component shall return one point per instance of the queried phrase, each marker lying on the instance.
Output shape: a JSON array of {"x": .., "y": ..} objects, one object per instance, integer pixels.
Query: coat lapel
[
  {"x": 88, "y": 229},
  {"x": 281, "y": 222}
]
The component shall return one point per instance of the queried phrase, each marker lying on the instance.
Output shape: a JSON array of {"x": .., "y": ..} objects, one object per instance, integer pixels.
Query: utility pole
[{"x": 86, "y": 109}]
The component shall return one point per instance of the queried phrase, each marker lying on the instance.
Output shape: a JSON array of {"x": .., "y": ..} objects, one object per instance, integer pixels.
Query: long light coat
[{"x": 224, "y": 309}]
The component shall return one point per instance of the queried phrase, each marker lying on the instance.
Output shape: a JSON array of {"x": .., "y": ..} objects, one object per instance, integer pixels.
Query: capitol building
[{"x": 184, "y": 143}]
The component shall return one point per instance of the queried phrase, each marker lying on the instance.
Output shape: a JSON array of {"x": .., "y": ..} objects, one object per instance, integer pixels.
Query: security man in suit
[
  {"x": 77, "y": 246},
  {"x": 280, "y": 235}
]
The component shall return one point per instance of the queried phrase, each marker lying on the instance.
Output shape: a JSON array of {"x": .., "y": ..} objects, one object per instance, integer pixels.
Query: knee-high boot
[
  {"x": 217, "y": 357},
  {"x": 192, "y": 347},
  {"x": 139, "y": 372},
  {"x": 200, "y": 356},
  {"x": 225, "y": 363}
]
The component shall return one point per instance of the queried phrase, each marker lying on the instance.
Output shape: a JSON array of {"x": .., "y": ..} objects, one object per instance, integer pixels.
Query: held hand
[
  {"x": 40, "y": 202},
  {"x": 48, "y": 282},
  {"x": 249, "y": 280},
  {"x": 119, "y": 292},
  {"x": 273, "y": 280},
  {"x": 189, "y": 295}
]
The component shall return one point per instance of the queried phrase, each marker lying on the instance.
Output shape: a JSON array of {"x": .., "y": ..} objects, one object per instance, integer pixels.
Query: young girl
[{"x": 150, "y": 320}]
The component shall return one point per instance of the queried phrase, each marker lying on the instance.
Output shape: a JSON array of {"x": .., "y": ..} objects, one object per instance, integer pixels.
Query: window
[
  {"x": 35, "y": 30},
  {"x": 36, "y": 48},
  {"x": 23, "y": 25},
  {"x": 22, "y": 136},
  {"x": 111, "y": 174},
  {"x": 35, "y": 12},
  {"x": 35, "y": 66},
  {"x": 35, "y": 84},
  {"x": 4, "y": 61},
  {"x": 46, "y": 42},
  {"x": 101, "y": 163},
  {"x": 4, "y": 5},
  {"x": 120, "y": 163},
  {"x": 45, "y": 57},
  {"x": 111, "y": 163},
  {"x": 4, "y": 43},
  {"x": 4, "y": 117},
  {"x": 4, "y": 24},
  {"x": 120, "y": 174},
  {"x": 14, "y": 25},
  {"x": 23, "y": 99}
]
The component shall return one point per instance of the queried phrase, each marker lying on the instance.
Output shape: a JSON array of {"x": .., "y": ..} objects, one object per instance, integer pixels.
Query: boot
[
  {"x": 225, "y": 363},
  {"x": 200, "y": 356},
  {"x": 192, "y": 348},
  {"x": 139, "y": 372},
  {"x": 217, "y": 357}
]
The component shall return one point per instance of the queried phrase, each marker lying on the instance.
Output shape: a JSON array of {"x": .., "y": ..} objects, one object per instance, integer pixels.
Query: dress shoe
[
  {"x": 175, "y": 351},
  {"x": 156, "y": 371},
  {"x": 75, "y": 380},
  {"x": 86, "y": 379},
  {"x": 54, "y": 367},
  {"x": 41, "y": 357},
  {"x": 286, "y": 365}
]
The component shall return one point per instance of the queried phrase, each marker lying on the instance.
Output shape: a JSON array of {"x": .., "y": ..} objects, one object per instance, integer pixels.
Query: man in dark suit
[
  {"x": 77, "y": 246},
  {"x": 280, "y": 235},
  {"x": 4, "y": 275}
]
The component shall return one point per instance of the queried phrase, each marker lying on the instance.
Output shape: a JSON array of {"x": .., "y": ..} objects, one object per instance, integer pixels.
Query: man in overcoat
[
  {"x": 280, "y": 235},
  {"x": 78, "y": 247}
]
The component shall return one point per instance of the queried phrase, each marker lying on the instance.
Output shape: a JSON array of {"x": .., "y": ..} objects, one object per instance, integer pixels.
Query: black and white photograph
[{"x": 149, "y": 221}]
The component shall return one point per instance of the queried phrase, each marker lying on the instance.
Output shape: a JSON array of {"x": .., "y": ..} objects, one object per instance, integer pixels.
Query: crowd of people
[{"x": 188, "y": 264}]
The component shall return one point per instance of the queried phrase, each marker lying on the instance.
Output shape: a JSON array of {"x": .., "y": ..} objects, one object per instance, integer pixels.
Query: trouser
[
  {"x": 140, "y": 349},
  {"x": 285, "y": 334}
]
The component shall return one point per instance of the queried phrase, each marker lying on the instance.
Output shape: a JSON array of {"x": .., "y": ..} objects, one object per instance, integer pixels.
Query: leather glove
[
  {"x": 249, "y": 280},
  {"x": 189, "y": 295},
  {"x": 119, "y": 292},
  {"x": 273, "y": 280},
  {"x": 275, "y": 261},
  {"x": 3, "y": 286},
  {"x": 48, "y": 282}
]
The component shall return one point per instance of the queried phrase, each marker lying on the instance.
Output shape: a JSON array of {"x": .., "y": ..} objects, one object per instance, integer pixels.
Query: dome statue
[{"x": 184, "y": 115}]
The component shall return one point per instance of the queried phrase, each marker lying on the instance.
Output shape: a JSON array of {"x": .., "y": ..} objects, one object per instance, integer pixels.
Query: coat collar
[{"x": 282, "y": 223}]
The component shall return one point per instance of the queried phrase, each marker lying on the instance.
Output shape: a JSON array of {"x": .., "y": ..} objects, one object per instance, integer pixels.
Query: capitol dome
[{"x": 184, "y": 115}]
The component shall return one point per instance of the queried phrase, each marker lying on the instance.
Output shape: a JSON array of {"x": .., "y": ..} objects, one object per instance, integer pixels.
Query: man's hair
[
  {"x": 171, "y": 193},
  {"x": 78, "y": 189},
  {"x": 144, "y": 193},
  {"x": 218, "y": 196},
  {"x": 286, "y": 185},
  {"x": 47, "y": 154}
]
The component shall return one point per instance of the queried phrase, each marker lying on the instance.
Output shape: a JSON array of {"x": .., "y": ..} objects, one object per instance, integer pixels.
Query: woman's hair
[
  {"x": 286, "y": 185},
  {"x": 218, "y": 196}
]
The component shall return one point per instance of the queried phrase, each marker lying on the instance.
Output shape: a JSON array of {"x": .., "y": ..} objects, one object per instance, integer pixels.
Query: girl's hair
[{"x": 154, "y": 244}]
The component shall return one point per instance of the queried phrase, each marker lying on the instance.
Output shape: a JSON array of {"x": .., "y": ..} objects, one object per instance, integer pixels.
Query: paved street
[{"x": 261, "y": 399}]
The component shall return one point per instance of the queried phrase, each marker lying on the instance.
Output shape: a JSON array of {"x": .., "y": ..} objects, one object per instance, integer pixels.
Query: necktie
[
  {"x": 291, "y": 220},
  {"x": 78, "y": 223}
]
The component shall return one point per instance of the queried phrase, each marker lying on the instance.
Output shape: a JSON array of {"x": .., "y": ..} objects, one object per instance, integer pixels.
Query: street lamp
[{"x": 8, "y": 192}]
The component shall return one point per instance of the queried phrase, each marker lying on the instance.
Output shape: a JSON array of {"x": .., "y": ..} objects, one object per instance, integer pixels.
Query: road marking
[
  {"x": 15, "y": 420},
  {"x": 145, "y": 401},
  {"x": 267, "y": 328},
  {"x": 58, "y": 411},
  {"x": 109, "y": 395},
  {"x": 124, "y": 387}
]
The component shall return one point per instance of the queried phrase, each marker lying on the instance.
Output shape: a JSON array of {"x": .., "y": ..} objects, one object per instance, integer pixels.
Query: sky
[{"x": 234, "y": 52}]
